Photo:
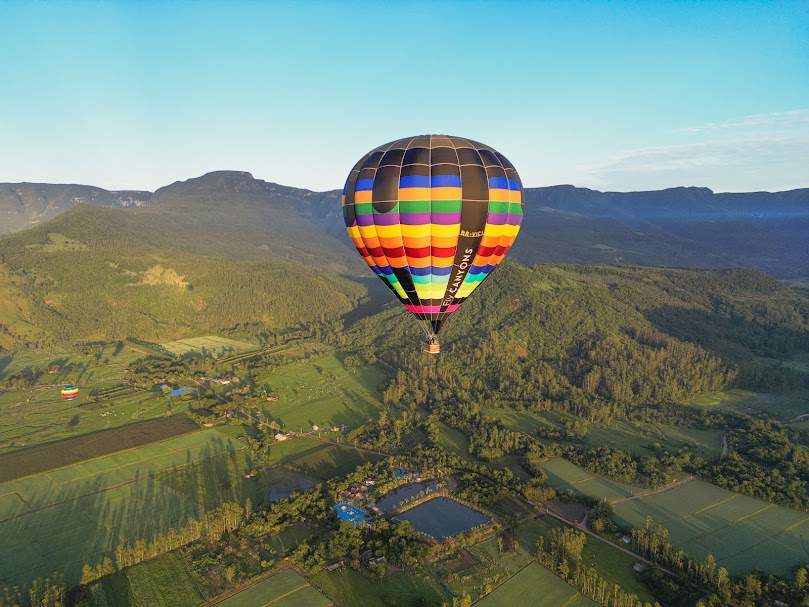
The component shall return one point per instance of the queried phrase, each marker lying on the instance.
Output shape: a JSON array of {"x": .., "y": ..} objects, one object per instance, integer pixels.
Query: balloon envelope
[
  {"x": 432, "y": 216},
  {"x": 70, "y": 392}
]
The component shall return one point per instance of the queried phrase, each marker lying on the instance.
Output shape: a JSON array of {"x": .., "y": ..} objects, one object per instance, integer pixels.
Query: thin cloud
[
  {"x": 761, "y": 163},
  {"x": 781, "y": 120}
]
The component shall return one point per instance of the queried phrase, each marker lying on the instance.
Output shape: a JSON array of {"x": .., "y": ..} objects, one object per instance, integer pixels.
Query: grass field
[
  {"x": 41, "y": 458},
  {"x": 212, "y": 344},
  {"x": 161, "y": 582},
  {"x": 348, "y": 588},
  {"x": 77, "y": 514},
  {"x": 534, "y": 586},
  {"x": 285, "y": 589},
  {"x": 741, "y": 532},
  {"x": 781, "y": 406},
  {"x": 321, "y": 392},
  {"x": 563, "y": 475},
  {"x": 37, "y": 415}
]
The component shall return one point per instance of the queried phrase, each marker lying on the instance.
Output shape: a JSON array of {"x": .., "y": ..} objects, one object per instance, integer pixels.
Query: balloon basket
[{"x": 431, "y": 347}]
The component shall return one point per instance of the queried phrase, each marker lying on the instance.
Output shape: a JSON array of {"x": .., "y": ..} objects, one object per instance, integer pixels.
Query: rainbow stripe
[
  {"x": 70, "y": 392},
  {"x": 433, "y": 216}
]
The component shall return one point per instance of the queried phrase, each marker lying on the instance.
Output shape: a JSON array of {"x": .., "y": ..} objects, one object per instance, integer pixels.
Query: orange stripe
[
  {"x": 445, "y": 193},
  {"x": 363, "y": 196},
  {"x": 414, "y": 194}
]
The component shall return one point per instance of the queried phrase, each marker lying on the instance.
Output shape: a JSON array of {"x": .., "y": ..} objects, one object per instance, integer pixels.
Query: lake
[
  {"x": 393, "y": 499},
  {"x": 442, "y": 517}
]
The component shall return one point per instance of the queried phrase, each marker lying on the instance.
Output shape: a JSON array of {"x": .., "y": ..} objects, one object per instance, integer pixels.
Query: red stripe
[
  {"x": 394, "y": 251},
  {"x": 487, "y": 251},
  {"x": 417, "y": 253}
]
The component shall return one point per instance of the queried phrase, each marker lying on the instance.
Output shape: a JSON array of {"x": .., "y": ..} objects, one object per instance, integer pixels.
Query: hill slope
[{"x": 23, "y": 205}]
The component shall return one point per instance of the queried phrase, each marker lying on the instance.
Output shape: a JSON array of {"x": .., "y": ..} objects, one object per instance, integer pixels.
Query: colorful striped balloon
[
  {"x": 433, "y": 216},
  {"x": 70, "y": 392}
]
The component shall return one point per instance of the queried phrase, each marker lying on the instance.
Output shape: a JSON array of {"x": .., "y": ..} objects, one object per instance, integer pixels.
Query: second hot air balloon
[{"x": 432, "y": 216}]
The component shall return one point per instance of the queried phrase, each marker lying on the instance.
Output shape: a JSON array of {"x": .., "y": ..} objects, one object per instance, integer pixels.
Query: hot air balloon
[
  {"x": 70, "y": 392},
  {"x": 432, "y": 216}
]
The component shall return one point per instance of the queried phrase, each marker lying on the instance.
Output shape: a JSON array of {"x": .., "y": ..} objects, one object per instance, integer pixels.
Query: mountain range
[{"x": 688, "y": 226}]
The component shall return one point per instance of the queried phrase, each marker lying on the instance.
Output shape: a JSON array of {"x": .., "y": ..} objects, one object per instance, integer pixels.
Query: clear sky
[{"x": 608, "y": 95}]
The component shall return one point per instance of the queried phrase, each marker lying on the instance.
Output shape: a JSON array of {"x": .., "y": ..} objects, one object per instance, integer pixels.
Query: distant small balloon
[
  {"x": 70, "y": 392},
  {"x": 433, "y": 216}
]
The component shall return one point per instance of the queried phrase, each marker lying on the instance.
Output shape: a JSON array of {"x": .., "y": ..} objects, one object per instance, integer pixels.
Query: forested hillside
[
  {"x": 593, "y": 340},
  {"x": 205, "y": 255}
]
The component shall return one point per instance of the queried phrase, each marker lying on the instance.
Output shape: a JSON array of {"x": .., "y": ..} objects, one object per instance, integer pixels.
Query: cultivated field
[
  {"x": 41, "y": 458},
  {"x": 741, "y": 532},
  {"x": 30, "y": 416},
  {"x": 348, "y": 588},
  {"x": 161, "y": 582},
  {"x": 534, "y": 586},
  {"x": 321, "y": 392},
  {"x": 636, "y": 437},
  {"x": 212, "y": 344},
  {"x": 563, "y": 475},
  {"x": 285, "y": 589},
  {"x": 79, "y": 513},
  {"x": 327, "y": 461}
]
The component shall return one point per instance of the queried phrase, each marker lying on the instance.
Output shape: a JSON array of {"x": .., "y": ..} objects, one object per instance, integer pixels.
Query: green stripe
[
  {"x": 414, "y": 206},
  {"x": 446, "y": 206},
  {"x": 364, "y": 208},
  {"x": 515, "y": 208},
  {"x": 496, "y": 206}
]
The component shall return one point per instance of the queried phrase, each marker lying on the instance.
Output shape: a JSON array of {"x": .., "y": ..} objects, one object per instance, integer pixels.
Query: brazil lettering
[{"x": 468, "y": 233}]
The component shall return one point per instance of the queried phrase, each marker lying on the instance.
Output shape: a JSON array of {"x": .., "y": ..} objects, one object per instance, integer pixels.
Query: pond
[
  {"x": 178, "y": 391},
  {"x": 286, "y": 485},
  {"x": 442, "y": 517},
  {"x": 393, "y": 499}
]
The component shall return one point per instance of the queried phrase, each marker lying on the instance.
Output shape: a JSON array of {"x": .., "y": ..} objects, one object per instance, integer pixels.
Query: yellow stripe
[
  {"x": 445, "y": 230},
  {"x": 422, "y": 230}
]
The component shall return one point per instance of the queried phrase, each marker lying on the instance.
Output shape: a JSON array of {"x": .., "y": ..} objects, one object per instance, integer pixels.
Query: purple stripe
[
  {"x": 414, "y": 219},
  {"x": 445, "y": 219},
  {"x": 365, "y": 220},
  {"x": 515, "y": 220},
  {"x": 385, "y": 219},
  {"x": 497, "y": 219}
]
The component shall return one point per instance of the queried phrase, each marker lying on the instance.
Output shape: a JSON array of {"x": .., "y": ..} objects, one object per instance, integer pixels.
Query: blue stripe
[
  {"x": 430, "y": 271},
  {"x": 363, "y": 185},
  {"x": 414, "y": 181},
  {"x": 513, "y": 184},
  {"x": 445, "y": 181},
  {"x": 498, "y": 183}
]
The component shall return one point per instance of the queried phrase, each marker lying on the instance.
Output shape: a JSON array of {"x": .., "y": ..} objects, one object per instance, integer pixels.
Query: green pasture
[
  {"x": 637, "y": 437},
  {"x": 330, "y": 460},
  {"x": 781, "y": 406},
  {"x": 285, "y": 589},
  {"x": 161, "y": 582},
  {"x": 38, "y": 415},
  {"x": 348, "y": 588},
  {"x": 741, "y": 532},
  {"x": 78, "y": 514},
  {"x": 320, "y": 392},
  {"x": 563, "y": 475},
  {"x": 212, "y": 344},
  {"x": 534, "y": 586}
]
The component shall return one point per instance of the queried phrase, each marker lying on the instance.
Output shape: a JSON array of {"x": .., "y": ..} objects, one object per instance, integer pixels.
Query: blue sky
[{"x": 608, "y": 95}]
